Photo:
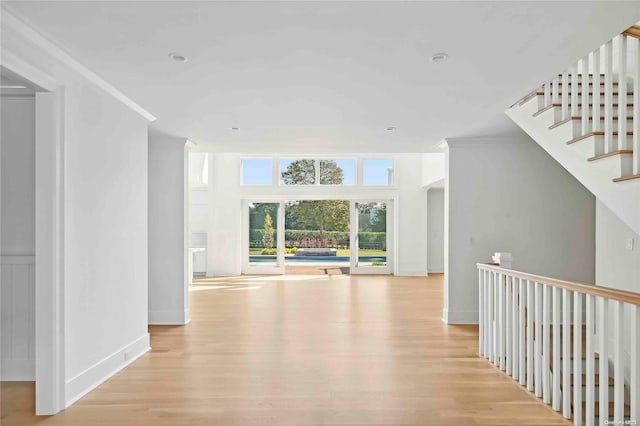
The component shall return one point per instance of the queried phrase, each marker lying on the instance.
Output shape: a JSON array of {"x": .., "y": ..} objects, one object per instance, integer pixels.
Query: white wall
[
  {"x": 105, "y": 215},
  {"x": 509, "y": 195},
  {"x": 17, "y": 281},
  {"x": 616, "y": 266},
  {"x": 435, "y": 230},
  {"x": 168, "y": 231},
  {"x": 224, "y": 219}
]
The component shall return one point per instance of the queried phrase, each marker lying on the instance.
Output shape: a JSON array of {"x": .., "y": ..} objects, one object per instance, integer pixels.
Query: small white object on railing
[{"x": 504, "y": 259}]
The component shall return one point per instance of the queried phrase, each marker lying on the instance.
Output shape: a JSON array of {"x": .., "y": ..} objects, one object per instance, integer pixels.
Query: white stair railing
[
  {"x": 552, "y": 347},
  {"x": 605, "y": 97}
]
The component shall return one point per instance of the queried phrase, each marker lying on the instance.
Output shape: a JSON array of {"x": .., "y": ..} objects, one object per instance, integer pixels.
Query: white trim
[
  {"x": 22, "y": 370},
  {"x": 459, "y": 317},
  {"x": 471, "y": 141},
  {"x": 11, "y": 22},
  {"x": 169, "y": 317},
  {"x": 17, "y": 65},
  {"x": 99, "y": 372}
]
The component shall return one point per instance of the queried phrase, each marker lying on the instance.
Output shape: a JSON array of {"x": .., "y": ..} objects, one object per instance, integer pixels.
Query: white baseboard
[
  {"x": 460, "y": 317},
  {"x": 436, "y": 270},
  {"x": 411, "y": 273},
  {"x": 18, "y": 370},
  {"x": 99, "y": 372},
  {"x": 169, "y": 317}
]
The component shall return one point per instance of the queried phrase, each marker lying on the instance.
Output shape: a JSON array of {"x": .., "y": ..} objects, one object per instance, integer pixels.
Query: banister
[{"x": 606, "y": 292}]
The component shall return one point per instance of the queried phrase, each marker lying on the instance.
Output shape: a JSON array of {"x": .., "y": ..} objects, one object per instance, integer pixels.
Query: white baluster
[
  {"x": 481, "y": 332},
  {"x": 590, "y": 368},
  {"x": 522, "y": 332},
  {"x": 584, "y": 101},
  {"x": 618, "y": 366},
  {"x": 603, "y": 330},
  {"x": 501, "y": 321},
  {"x": 515, "y": 368},
  {"x": 538, "y": 341},
  {"x": 556, "y": 349},
  {"x": 487, "y": 317},
  {"x": 546, "y": 389},
  {"x": 508, "y": 324},
  {"x": 622, "y": 92},
  {"x": 577, "y": 356},
  {"x": 575, "y": 89},
  {"x": 596, "y": 123},
  {"x": 555, "y": 90},
  {"x": 635, "y": 363},
  {"x": 565, "y": 95},
  {"x": 609, "y": 141},
  {"x": 547, "y": 94},
  {"x": 636, "y": 107},
  {"x": 496, "y": 320},
  {"x": 566, "y": 353},
  {"x": 530, "y": 330}
]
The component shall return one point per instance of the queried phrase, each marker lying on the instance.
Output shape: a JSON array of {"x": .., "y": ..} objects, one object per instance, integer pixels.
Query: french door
[
  {"x": 370, "y": 226},
  {"x": 263, "y": 234}
]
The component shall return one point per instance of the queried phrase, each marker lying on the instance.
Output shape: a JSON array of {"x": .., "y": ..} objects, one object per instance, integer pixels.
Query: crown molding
[
  {"x": 11, "y": 22},
  {"x": 483, "y": 140}
]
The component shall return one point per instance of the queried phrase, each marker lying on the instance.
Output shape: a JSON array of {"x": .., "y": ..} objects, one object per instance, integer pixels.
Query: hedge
[{"x": 296, "y": 237}]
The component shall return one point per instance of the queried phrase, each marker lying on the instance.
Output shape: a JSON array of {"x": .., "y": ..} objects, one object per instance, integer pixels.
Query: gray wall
[
  {"x": 507, "y": 194},
  {"x": 168, "y": 220},
  {"x": 435, "y": 230},
  {"x": 616, "y": 266}
]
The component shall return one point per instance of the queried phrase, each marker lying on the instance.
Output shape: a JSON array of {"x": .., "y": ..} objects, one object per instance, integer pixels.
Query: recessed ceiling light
[
  {"x": 439, "y": 57},
  {"x": 235, "y": 128},
  {"x": 390, "y": 128},
  {"x": 178, "y": 57}
]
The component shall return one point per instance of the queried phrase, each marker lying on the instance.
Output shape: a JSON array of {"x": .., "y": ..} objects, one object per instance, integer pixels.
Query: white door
[
  {"x": 263, "y": 235},
  {"x": 370, "y": 236}
]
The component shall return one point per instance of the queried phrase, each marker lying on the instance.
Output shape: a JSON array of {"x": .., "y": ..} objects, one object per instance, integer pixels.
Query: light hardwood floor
[{"x": 304, "y": 350}]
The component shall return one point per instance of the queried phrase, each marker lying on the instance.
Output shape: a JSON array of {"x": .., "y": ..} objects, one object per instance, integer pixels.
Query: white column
[
  {"x": 622, "y": 92},
  {"x": 508, "y": 324},
  {"x": 556, "y": 401},
  {"x": 546, "y": 389},
  {"x": 481, "y": 332},
  {"x": 565, "y": 95},
  {"x": 636, "y": 106},
  {"x": 566, "y": 353},
  {"x": 530, "y": 329},
  {"x": 521, "y": 332},
  {"x": 618, "y": 366},
  {"x": 538, "y": 341},
  {"x": 584, "y": 100},
  {"x": 635, "y": 363},
  {"x": 603, "y": 343},
  {"x": 590, "y": 363}
]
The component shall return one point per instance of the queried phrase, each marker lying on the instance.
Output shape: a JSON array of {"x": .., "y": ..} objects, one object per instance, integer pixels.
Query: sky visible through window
[{"x": 374, "y": 171}]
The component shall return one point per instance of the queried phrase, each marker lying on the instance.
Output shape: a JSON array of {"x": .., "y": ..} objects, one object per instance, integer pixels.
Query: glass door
[
  {"x": 370, "y": 222},
  {"x": 263, "y": 238}
]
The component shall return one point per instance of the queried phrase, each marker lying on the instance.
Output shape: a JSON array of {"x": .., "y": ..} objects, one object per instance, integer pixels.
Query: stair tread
[
  {"x": 625, "y": 178},
  {"x": 590, "y": 134},
  {"x": 611, "y": 154}
]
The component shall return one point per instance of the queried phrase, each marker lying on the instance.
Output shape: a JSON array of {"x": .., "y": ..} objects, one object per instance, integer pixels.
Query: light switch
[{"x": 629, "y": 244}]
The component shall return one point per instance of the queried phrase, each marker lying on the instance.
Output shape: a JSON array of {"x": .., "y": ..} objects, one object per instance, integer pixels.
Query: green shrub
[
  {"x": 269, "y": 251},
  {"x": 377, "y": 263}
]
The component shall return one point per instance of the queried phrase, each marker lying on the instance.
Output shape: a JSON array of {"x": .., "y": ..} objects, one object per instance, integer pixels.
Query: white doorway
[
  {"x": 371, "y": 242},
  {"x": 32, "y": 223}
]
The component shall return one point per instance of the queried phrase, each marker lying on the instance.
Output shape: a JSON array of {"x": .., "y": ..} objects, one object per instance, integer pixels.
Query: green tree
[
  {"x": 267, "y": 235},
  {"x": 320, "y": 215}
]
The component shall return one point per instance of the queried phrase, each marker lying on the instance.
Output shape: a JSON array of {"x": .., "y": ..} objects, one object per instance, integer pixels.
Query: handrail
[{"x": 609, "y": 293}]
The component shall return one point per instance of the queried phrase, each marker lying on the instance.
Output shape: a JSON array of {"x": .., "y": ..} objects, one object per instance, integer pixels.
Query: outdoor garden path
[{"x": 304, "y": 350}]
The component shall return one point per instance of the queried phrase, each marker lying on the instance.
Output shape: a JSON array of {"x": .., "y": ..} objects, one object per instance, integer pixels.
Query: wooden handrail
[{"x": 606, "y": 292}]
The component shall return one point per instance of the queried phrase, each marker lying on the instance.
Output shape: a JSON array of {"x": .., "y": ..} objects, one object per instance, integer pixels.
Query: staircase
[
  {"x": 575, "y": 346},
  {"x": 588, "y": 119}
]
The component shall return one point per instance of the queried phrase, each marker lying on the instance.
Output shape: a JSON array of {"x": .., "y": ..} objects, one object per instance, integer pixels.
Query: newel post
[{"x": 505, "y": 260}]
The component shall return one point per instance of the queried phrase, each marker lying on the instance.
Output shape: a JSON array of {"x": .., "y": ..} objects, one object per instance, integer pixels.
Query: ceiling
[{"x": 327, "y": 76}]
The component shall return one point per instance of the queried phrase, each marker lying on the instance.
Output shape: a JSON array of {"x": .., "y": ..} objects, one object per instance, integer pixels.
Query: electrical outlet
[{"x": 629, "y": 244}]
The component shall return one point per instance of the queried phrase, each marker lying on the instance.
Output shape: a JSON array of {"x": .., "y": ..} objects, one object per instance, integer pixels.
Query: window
[
  {"x": 257, "y": 172},
  {"x": 337, "y": 172},
  {"x": 377, "y": 172},
  {"x": 297, "y": 172}
]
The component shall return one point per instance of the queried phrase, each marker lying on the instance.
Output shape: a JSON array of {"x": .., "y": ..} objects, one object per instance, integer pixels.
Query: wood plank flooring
[{"x": 304, "y": 350}]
